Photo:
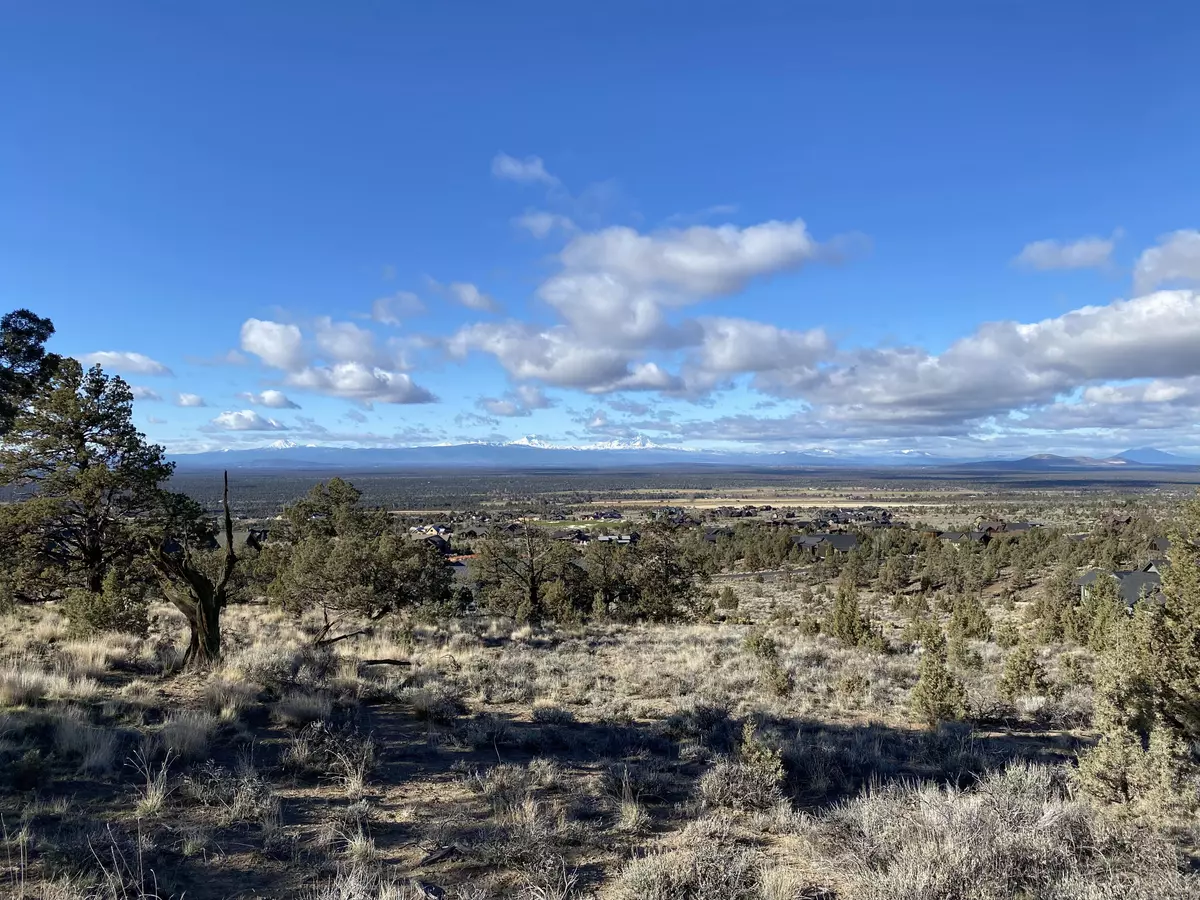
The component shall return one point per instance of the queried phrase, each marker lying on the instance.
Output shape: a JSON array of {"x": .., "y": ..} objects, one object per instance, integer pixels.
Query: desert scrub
[
  {"x": 187, "y": 734},
  {"x": 1024, "y": 675},
  {"x": 706, "y": 865},
  {"x": 1017, "y": 834},
  {"x": 751, "y": 780},
  {"x": 299, "y": 708},
  {"x": 937, "y": 696}
]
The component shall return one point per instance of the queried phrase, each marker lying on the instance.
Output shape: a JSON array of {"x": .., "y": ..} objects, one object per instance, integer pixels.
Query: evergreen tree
[
  {"x": 937, "y": 696},
  {"x": 349, "y": 562},
  {"x": 25, "y": 366},
  {"x": 87, "y": 482}
]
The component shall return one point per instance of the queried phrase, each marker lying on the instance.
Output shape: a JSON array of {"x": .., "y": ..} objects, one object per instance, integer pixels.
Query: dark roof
[
  {"x": 1161, "y": 544},
  {"x": 1133, "y": 586},
  {"x": 839, "y": 542}
]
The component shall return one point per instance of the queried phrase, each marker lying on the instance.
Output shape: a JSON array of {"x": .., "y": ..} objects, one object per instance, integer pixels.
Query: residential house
[
  {"x": 1132, "y": 586},
  {"x": 825, "y": 544}
]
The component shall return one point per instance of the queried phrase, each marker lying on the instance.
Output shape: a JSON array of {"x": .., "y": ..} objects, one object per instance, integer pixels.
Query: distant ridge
[
  {"x": 1151, "y": 456},
  {"x": 532, "y": 453}
]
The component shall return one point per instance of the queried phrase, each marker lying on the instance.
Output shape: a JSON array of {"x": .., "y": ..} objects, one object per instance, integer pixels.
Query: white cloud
[
  {"x": 345, "y": 342},
  {"x": 471, "y": 297},
  {"x": 355, "y": 416},
  {"x": 529, "y": 170},
  {"x": 155, "y": 420},
  {"x": 1010, "y": 365},
  {"x": 520, "y": 401},
  {"x": 540, "y": 223},
  {"x": 1085, "y": 253},
  {"x": 144, "y": 393},
  {"x": 278, "y": 345},
  {"x": 125, "y": 361},
  {"x": 246, "y": 420},
  {"x": 394, "y": 309},
  {"x": 554, "y": 356},
  {"x": 1175, "y": 259},
  {"x": 271, "y": 399},
  {"x": 189, "y": 400},
  {"x": 778, "y": 356},
  {"x": 354, "y": 367},
  {"x": 359, "y": 382}
]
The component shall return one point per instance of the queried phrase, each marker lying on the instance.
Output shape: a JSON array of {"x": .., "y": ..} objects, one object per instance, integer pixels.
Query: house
[
  {"x": 1132, "y": 586},
  {"x": 1160, "y": 545},
  {"x": 631, "y": 538},
  {"x": 712, "y": 535},
  {"x": 438, "y": 543},
  {"x": 254, "y": 538},
  {"x": 571, "y": 535},
  {"x": 473, "y": 533},
  {"x": 825, "y": 544}
]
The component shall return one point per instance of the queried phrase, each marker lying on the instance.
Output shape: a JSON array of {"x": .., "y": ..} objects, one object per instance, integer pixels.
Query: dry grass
[{"x": 602, "y": 762}]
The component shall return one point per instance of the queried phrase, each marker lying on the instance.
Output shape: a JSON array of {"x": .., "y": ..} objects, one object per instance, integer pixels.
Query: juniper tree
[
  {"x": 349, "y": 562},
  {"x": 938, "y": 696},
  {"x": 195, "y": 590},
  {"x": 25, "y": 366},
  {"x": 87, "y": 482}
]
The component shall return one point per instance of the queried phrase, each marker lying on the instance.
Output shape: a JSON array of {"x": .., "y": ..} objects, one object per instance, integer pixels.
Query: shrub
[
  {"x": 750, "y": 781},
  {"x": 1016, "y": 835},
  {"x": 187, "y": 734},
  {"x": 119, "y": 606},
  {"x": 703, "y": 869},
  {"x": 761, "y": 646},
  {"x": 1024, "y": 675},
  {"x": 937, "y": 696},
  {"x": 298, "y": 709},
  {"x": 727, "y": 599},
  {"x": 969, "y": 619},
  {"x": 1007, "y": 636}
]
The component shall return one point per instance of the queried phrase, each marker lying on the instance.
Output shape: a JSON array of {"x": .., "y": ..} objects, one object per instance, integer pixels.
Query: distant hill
[
  {"x": 530, "y": 454},
  {"x": 1151, "y": 456}
]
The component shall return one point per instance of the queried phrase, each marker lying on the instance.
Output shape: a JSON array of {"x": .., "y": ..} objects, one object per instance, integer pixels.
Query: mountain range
[{"x": 531, "y": 453}]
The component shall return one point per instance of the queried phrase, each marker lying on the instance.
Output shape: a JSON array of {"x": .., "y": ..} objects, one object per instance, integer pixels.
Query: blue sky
[{"x": 964, "y": 228}]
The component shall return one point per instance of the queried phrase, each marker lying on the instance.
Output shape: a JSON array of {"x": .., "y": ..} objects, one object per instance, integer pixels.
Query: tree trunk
[{"x": 204, "y": 621}]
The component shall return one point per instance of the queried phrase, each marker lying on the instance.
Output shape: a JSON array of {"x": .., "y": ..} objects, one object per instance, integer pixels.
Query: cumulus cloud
[
  {"x": 520, "y": 401},
  {"x": 344, "y": 361},
  {"x": 471, "y": 297},
  {"x": 246, "y": 420},
  {"x": 1084, "y": 253},
  {"x": 271, "y": 399},
  {"x": 144, "y": 393},
  {"x": 278, "y": 345},
  {"x": 394, "y": 309},
  {"x": 1175, "y": 259},
  {"x": 530, "y": 170},
  {"x": 541, "y": 223},
  {"x": 356, "y": 381},
  {"x": 189, "y": 400},
  {"x": 1010, "y": 365},
  {"x": 613, "y": 292},
  {"x": 125, "y": 361}
]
